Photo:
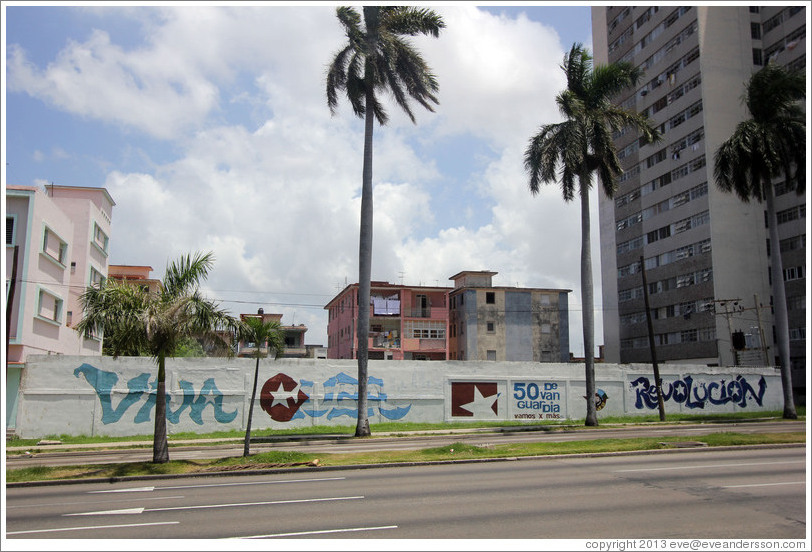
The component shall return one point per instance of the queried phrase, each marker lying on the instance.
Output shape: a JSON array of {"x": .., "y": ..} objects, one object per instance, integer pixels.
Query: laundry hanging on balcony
[{"x": 386, "y": 306}]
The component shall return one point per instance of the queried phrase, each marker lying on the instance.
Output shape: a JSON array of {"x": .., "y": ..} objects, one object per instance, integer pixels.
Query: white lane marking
[
  {"x": 253, "y": 483},
  {"x": 764, "y": 484},
  {"x": 133, "y": 490},
  {"x": 265, "y": 503},
  {"x": 92, "y": 527},
  {"x": 321, "y": 532},
  {"x": 127, "y": 511},
  {"x": 94, "y": 502},
  {"x": 712, "y": 466},
  {"x": 149, "y": 489}
]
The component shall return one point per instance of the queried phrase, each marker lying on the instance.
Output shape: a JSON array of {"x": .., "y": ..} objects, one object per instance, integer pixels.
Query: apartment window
[
  {"x": 11, "y": 226},
  {"x": 49, "y": 307},
  {"x": 490, "y": 297},
  {"x": 490, "y": 326},
  {"x": 758, "y": 58},
  {"x": 793, "y": 273},
  {"x": 100, "y": 239},
  {"x": 96, "y": 278},
  {"x": 54, "y": 247},
  {"x": 755, "y": 31},
  {"x": 491, "y": 354}
]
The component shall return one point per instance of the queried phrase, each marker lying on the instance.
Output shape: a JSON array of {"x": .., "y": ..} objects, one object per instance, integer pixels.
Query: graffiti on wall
[
  {"x": 140, "y": 388},
  {"x": 285, "y": 399},
  {"x": 475, "y": 399},
  {"x": 693, "y": 394},
  {"x": 281, "y": 397}
]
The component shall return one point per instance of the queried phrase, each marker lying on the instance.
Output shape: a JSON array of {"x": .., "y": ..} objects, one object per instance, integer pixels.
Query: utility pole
[
  {"x": 657, "y": 381},
  {"x": 761, "y": 332},
  {"x": 725, "y": 303}
]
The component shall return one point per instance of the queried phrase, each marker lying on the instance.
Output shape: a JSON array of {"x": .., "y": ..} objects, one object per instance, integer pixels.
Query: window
[
  {"x": 490, "y": 326},
  {"x": 490, "y": 297},
  {"x": 755, "y": 31},
  {"x": 11, "y": 226},
  {"x": 491, "y": 354},
  {"x": 793, "y": 273},
  {"x": 96, "y": 278},
  {"x": 54, "y": 247},
  {"x": 49, "y": 307},
  {"x": 545, "y": 328},
  {"x": 100, "y": 239}
]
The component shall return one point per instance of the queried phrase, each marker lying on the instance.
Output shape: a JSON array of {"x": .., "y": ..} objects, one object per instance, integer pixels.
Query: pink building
[
  {"x": 405, "y": 322},
  {"x": 135, "y": 275},
  {"x": 61, "y": 236}
]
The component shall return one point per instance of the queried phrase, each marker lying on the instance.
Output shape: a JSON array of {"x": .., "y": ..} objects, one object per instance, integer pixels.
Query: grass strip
[
  {"x": 396, "y": 427},
  {"x": 455, "y": 451}
]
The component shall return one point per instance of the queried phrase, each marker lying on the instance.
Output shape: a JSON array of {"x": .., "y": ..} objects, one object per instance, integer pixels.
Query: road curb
[{"x": 270, "y": 471}]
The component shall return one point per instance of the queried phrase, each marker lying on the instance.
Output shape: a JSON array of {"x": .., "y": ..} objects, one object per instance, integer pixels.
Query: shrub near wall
[{"x": 102, "y": 396}]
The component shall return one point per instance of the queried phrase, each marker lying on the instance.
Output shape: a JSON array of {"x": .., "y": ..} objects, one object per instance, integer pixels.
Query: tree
[
  {"x": 260, "y": 333},
  {"x": 131, "y": 319},
  {"x": 770, "y": 143},
  {"x": 378, "y": 58},
  {"x": 579, "y": 146}
]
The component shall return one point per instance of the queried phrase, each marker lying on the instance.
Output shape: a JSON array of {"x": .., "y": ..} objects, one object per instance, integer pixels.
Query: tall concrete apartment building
[{"x": 706, "y": 253}]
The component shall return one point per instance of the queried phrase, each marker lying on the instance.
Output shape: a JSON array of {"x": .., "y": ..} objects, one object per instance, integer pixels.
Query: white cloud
[{"x": 278, "y": 202}]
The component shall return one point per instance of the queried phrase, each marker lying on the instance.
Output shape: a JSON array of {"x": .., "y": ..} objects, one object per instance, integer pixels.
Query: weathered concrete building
[{"x": 506, "y": 323}]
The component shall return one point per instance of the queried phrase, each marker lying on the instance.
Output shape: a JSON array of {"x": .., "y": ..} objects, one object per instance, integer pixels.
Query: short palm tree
[
  {"x": 579, "y": 146},
  {"x": 378, "y": 58},
  {"x": 266, "y": 333},
  {"x": 132, "y": 319},
  {"x": 771, "y": 143}
]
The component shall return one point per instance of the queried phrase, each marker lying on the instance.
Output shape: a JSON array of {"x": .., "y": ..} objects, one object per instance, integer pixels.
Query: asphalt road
[
  {"x": 693, "y": 494},
  {"x": 344, "y": 445}
]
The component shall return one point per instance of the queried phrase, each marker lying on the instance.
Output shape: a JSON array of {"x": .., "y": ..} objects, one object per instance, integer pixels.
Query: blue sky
[{"x": 209, "y": 127}]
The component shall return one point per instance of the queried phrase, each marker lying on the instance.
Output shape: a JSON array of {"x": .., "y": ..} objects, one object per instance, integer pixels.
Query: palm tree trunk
[
  {"x": 587, "y": 302},
  {"x": 365, "y": 268},
  {"x": 780, "y": 306},
  {"x": 246, "y": 447},
  {"x": 160, "y": 447}
]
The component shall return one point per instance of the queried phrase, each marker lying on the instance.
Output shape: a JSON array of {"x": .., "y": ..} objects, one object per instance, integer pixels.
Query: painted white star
[
  {"x": 280, "y": 396},
  {"x": 481, "y": 407}
]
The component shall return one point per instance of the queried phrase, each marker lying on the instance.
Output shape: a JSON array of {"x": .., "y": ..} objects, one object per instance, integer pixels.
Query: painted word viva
[
  {"x": 103, "y": 382},
  {"x": 697, "y": 395}
]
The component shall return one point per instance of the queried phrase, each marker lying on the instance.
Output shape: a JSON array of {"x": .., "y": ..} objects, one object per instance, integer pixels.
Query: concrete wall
[{"x": 101, "y": 396}]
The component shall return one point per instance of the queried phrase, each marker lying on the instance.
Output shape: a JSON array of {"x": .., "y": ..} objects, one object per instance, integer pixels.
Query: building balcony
[
  {"x": 434, "y": 313},
  {"x": 424, "y": 345},
  {"x": 383, "y": 342}
]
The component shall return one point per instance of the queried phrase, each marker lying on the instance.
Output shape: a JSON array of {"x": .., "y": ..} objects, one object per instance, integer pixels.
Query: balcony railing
[{"x": 436, "y": 313}]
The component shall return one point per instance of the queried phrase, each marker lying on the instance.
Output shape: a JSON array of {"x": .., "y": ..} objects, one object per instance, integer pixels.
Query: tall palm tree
[
  {"x": 133, "y": 319},
  {"x": 579, "y": 146},
  {"x": 378, "y": 58},
  {"x": 772, "y": 142},
  {"x": 260, "y": 332}
]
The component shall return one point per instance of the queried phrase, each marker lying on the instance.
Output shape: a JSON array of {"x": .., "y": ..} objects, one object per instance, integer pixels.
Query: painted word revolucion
[{"x": 694, "y": 394}]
